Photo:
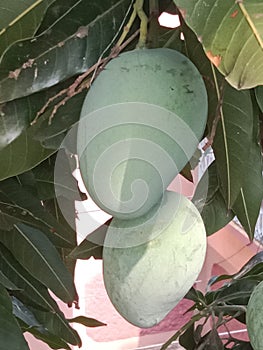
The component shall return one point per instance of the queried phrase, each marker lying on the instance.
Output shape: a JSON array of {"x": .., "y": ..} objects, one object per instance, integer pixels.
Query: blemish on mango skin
[{"x": 216, "y": 60}]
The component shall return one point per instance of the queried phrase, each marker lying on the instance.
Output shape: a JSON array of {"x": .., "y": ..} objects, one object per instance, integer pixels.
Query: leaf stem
[
  {"x": 127, "y": 28},
  {"x": 250, "y": 22},
  {"x": 144, "y": 23}
]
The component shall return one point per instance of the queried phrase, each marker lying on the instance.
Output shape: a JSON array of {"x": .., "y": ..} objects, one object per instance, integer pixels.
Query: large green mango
[
  {"x": 254, "y": 319},
  {"x": 140, "y": 123},
  {"x": 150, "y": 263}
]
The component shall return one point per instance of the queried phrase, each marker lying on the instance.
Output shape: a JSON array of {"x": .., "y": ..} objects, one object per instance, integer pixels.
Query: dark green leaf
[
  {"x": 248, "y": 203},
  {"x": 92, "y": 245},
  {"x": 233, "y": 141},
  {"x": 11, "y": 336},
  {"x": 195, "y": 295},
  {"x": 86, "y": 28},
  {"x": 6, "y": 282},
  {"x": 214, "y": 341},
  {"x": 191, "y": 165},
  {"x": 242, "y": 345},
  {"x": 86, "y": 321},
  {"x": 23, "y": 314},
  {"x": 210, "y": 201},
  {"x": 53, "y": 341},
  {"x": 19, "y": 20},
  {"x": 259, "y": 96},
  {"x": 22, "y": 154},
  {"x": 35, "y": 295},
  {"x": 18, "y": 204},
  {"x": 52, "y": 135},
  {"x": 195, "y": 318},
  {"x": 40, "y": 258},
  {"x": 57, "y": 325},
  {"x": 30, "y": 290},
  {"x": 187, "y": 338},
  {"x": 238, "y": 292},
  {"x": 255, "y": 264},
  {"x": 65, "y": 183},
  {"x": 17, "y": 115},
  {"x": 228, "y": 38}
]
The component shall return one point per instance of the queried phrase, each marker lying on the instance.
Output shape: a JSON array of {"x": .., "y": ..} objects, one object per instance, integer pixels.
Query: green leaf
[
  {"x": 22, "y": 154},
  {"x": 18, "y": 204},
  {"x": 242, "y": 345},
  {"x": 29, "y": 289},
  {"x": 255, "y": 264},
  {"x": 23, "y": 314},
  {"x": 40, "y": 258},
  {"x": 233, "y": 141},
  {"x": 229, "y": 31},
  {"x": 248, "y": 203},
  {"x": 11, "y": 336},
  {"x": 187, "y": 338},
  {"x": 210, "y": 201},
  {"x": 214, "y": 341},
  {"x": 238, "y": 292},
  {"x": 259, "y": 97},
  {"x": 65, "y": 184},
  {"x": 86, "y": 321},
  {"x": 19, "y": 20},
  {"x": 6, "y": 282},
  {"x": 233, "y": 134},
  {"x": 53, "y": 341},
  {"x": 17, "y": 115},
  {"x": 87, "y": 29},
  {"x": 92, "y": 245},
  {"x": 52, "y": 135},
  {"x": 57, "y": 325},
  {"x": 35, "y": 295}
]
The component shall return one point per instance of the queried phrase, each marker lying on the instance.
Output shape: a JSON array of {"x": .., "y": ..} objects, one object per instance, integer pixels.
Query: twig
[
  {"x": 144, "y": 23},
  {"x": 81, "y": 82},
  {"x": 218, "y": 113}
]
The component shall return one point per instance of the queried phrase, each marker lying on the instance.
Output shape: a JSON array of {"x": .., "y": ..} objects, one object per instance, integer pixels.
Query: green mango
[
  {"x": 254, "y": 318},
  {"x": 151, "y": 262},
  {"x": 141, "y": 122}
]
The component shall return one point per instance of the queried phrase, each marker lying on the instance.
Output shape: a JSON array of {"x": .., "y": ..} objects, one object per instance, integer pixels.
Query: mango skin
[
  {"x": 150, "y": 263},
  {"x": 151, "y": 106},
  {"x": 254, "y": 320}
]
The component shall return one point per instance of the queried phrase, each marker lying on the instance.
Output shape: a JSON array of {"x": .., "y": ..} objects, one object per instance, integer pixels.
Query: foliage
[{"x": 49, "y": 51}]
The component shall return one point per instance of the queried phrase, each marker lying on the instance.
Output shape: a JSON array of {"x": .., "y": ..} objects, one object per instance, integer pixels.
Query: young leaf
[
  {"x": 11, "y": 336},
  {"x": 37, "y": 254},
  {"x": 229, "y": 33}
]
